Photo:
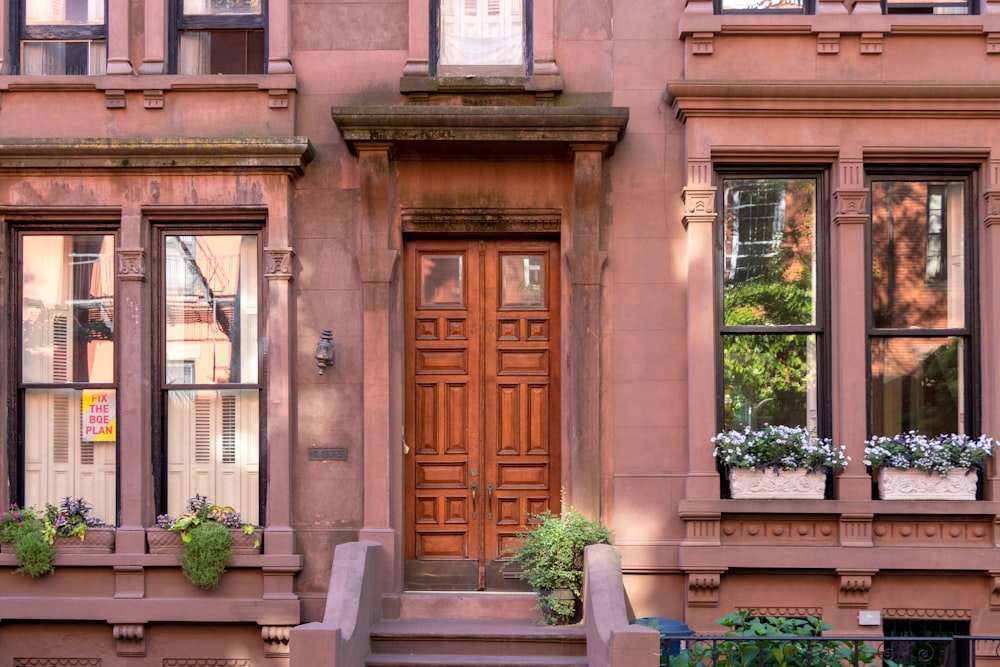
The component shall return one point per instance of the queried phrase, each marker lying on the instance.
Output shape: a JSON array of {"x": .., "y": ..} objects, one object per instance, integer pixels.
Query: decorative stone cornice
[
  {"x": 917, "y": 613},
  {"x": 426, "y": 130},
  {"x": 853, "y": 100},
  {"x": 785, "y": 611},
  {"x": 289, "y": 154}
]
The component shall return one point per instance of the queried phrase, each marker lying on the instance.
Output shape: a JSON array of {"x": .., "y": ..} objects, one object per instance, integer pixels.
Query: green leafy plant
[
  {"x": 208, "y": 543},
  {"x": 22, "y": 528},
  {"x": 551, "y": 558},
  {"x": 765, "y": 642},
  {"x": 71, "y": 518},
  {"x": 206, "y": 554}
]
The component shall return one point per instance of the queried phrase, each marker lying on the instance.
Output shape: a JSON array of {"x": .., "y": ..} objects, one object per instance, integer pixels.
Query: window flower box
[
  {"x": 745, "y": 483},
  {"x": 97, "y": 540},
  {"x": 912, "y": 484},
  {"x": 913, "y": 466},
  {"x": 777, "y": 462},
  {"x": 163, "y": 541}
]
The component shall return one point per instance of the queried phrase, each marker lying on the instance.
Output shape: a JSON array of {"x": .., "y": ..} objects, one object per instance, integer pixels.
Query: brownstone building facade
[{"x": 534, "y": 229}]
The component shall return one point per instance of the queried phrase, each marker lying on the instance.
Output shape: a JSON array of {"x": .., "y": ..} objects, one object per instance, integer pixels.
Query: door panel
[{"x": 482, "y": 403}]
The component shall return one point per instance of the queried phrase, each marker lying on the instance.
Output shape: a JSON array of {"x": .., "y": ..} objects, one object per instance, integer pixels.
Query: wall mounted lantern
[{"x": 324, "y": 350}]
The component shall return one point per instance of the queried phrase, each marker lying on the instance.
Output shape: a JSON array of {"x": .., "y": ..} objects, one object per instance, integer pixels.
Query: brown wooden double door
[{"x": 482, "y": 404}]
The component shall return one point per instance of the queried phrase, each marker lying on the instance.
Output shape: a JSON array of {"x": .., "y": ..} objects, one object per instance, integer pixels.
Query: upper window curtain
[{"x": 482, "y": 32}]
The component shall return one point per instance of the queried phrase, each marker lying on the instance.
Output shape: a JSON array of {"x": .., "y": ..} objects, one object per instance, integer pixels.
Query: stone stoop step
[{"x": 499, "y": 642}]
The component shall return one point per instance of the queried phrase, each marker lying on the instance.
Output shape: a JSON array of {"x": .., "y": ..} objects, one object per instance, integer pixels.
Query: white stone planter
[
  {"x": 906, "y": 484},
  {"x": 747, "y": 483}
]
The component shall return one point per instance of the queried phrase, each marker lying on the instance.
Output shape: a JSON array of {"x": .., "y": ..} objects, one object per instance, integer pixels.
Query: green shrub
[
  {"x": 206, "y": 554},
  {"x": 34, "y": 553},
  {"x": 772, "y": 652},
  {"x": 551, "y": 558}
]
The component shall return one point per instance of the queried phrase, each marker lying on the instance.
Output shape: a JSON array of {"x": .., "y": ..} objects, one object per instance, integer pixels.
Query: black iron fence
[{"x": 828, "y": 651}]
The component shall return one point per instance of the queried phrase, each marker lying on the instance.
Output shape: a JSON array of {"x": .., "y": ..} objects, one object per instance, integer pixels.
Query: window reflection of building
[
  {"x": 67, "y": 337},
  {"x": 212, "y": 397},
  {"x": 920, "y": 336},
  {"x": 771, "y": 331}
]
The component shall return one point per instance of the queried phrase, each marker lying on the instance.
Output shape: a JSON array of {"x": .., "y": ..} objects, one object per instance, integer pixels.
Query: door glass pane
[
  {"x": 769, "y": 236},
  {"x": 522, "y": 281},
  {"x": 482, "y": 32},
  {"x": 918, "y": 254},
  {"x": 213, "y": 445},
  {"x": 70, "y": 437},
  {"x": 441, "y": 280},
  {"x": 211, "y": 309},
  {"x": 64, "y": 12},
  {"x": 770, "y": 378},
  {"x": 67, "y": 310},
  {"x": 918, "y": 384}
]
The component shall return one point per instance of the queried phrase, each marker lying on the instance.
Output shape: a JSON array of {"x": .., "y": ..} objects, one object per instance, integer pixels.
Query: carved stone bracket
[
  {"x": 995, "y": 590},
  {"x": 130, "y": 639},
  {"x": 114, "y": 99},
  {"x": 702, "y": 43},
  {"x": 992, "y": 199},
  {"x": 871, "y": 43},
  {"x": 855, "y": 586},
  {"x": 992, "y": 43},
  {"x": 828, "y": 43},
  {"x": 850, "y": 206},
  {"x": 275, "y": 640},
  {"x": 703, "y": 588},
  {"x": 278, "y": 263},
  {"x": 131, "y": 263}
]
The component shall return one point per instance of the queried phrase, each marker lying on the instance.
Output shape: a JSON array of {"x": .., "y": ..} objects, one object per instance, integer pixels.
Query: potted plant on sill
[
  {"x": 777, "y": 461},
  {"x": 207, "y": 533},
  {"x": 551, "y": 559},
  {"x": 36, "y": 537},
  {"x": 913, "y": 466},
  {"x": 71, "y": 527},
  {"x": 23, "y": 534}
]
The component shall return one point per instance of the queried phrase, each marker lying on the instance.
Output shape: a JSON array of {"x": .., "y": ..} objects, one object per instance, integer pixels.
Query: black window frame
[
  {"x": 21, "y": 32},
  {"x": 434, "y": 50},
  {"x": 180, "y": 22},
  {"x": 17, "y": 387},
  {"x": 971, "y": 331},
  {"x": 820, "y": 327},
  {"x": 159, "y": 385},
  {"x": 928, "y": 7},
  {"x": 808, "y": 7}
]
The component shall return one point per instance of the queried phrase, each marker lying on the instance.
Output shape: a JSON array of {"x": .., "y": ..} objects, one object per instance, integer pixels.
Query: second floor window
[
  {"x": 928, "y": 6},
  {"x": 220, "y": 37},
  {"x": 771, "y": 335},
  {"x": 761, "y": 6},
  {"x": 482, "y": 33},
  {"x": 63, "y": 37}
]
